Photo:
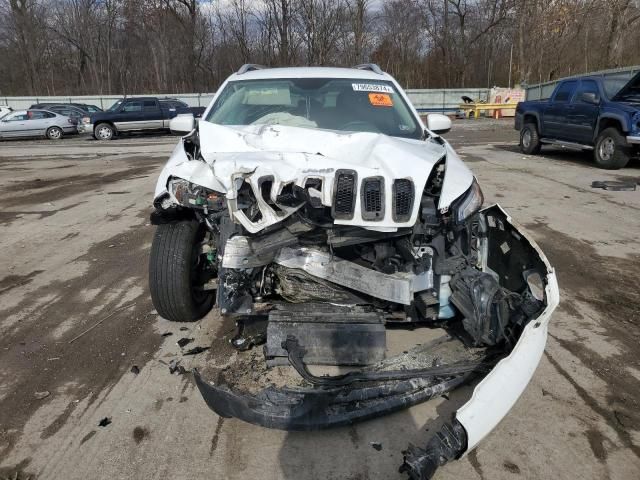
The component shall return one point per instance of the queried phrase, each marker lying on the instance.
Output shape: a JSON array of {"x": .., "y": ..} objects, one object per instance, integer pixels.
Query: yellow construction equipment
[{"x": 472, "y": 110}]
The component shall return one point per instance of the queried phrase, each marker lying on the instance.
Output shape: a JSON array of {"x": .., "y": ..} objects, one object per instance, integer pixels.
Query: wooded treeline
[{"x": 64, "y": 47}]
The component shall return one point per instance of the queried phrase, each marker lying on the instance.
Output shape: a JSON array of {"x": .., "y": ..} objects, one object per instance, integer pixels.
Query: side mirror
[
  {"x": 182, "y": 124},
  {"x": 590, "y": 97},
  {"x": 438, "y": 123}
]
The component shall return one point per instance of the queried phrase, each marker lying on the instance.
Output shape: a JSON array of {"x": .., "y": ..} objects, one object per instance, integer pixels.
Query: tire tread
[{"x": 170, "y": 270}]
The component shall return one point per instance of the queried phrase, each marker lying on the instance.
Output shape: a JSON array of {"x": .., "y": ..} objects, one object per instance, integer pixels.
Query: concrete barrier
[{"x": 425, "y": 100}]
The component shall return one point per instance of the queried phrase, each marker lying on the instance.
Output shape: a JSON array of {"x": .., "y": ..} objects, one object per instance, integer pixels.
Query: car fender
[
  {"x": 498, "y": 392},
  {"x": 622, "y": 119}
]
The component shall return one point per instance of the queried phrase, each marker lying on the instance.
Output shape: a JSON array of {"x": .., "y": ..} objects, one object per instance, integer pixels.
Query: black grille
[
  {"x": 345, "y": 194},
  {"x": 373, "y": 198},
  {"x": 402, "y": 199}
]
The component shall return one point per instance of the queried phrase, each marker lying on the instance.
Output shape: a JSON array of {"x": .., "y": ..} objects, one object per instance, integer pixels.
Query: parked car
[
  {"x": 4, "y": 110},
  {"x": 68, "y": 110},
  {"x": 314, "y": 208},
  {"x": 135, "y": 114},
  {"x": 36, "y": 123},
  {"x": 82, "y": 106},
  {"x": 594, "y": 113}
]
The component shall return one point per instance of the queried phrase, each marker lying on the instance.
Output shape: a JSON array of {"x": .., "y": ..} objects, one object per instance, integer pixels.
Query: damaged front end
[{"x": 326, "y": 245}]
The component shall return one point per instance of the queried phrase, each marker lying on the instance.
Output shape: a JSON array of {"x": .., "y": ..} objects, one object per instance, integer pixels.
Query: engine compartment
[{"x": 439, "y": 271}]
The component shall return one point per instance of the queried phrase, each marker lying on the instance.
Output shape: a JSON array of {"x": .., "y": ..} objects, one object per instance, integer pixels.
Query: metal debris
[
  {"x": 123, "y": 307},
  {"x": 41, "y": 395}
]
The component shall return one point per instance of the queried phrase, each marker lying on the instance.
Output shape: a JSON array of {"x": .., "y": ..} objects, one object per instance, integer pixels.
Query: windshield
[
  {"x": 115, "y": 106},
  {"x": 352, "y": 105}
]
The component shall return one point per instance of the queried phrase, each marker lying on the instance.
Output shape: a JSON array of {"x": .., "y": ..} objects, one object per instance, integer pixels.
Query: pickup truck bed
[{"x": 588, "y": 113}]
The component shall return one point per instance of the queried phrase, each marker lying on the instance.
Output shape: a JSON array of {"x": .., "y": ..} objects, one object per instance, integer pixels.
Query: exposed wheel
[
  {"x": 175, "y": 272},
  {"x": 612, "y": 151},
  {"x": 104, "y": 131},
  {"x": 530, "y": 139},
  {"x": 54, "y": 133}
]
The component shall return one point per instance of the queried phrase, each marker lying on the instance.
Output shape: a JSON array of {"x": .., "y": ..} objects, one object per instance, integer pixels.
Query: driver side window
[{"x": 132, "y": 107}]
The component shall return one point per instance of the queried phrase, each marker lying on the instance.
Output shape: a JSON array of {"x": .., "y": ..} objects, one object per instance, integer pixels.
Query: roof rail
[
  {"x": 370, "y": 66},
  {"x": 249, "y": 67}
]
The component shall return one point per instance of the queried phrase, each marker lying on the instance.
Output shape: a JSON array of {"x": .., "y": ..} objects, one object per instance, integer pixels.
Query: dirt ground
[{"x": 76, "y": 316}]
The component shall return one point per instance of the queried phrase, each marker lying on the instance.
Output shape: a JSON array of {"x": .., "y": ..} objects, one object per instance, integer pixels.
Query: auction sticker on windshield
[
  {"x": 380, "y": 100},
  {"x": 371, "y": 87}
]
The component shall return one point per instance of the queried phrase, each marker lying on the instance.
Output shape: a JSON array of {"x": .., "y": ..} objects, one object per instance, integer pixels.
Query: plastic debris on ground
[
  {"x": 104, "y": 422},
  {"x": 184, "y": 341},
  {"x": 615, "y": 186},
  {"x": 196, "y": 350}
]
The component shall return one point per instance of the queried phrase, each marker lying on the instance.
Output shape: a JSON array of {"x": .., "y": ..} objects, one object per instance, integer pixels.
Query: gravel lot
[{"x": 75, "y": 238}]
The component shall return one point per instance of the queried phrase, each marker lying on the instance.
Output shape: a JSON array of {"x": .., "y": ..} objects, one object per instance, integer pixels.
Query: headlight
[
  {"x": 636, "y": 122},
  {"x": 86, "y": 120},
  {"x": 191, "y": 195},
  {"x": 469, "y": 203}
]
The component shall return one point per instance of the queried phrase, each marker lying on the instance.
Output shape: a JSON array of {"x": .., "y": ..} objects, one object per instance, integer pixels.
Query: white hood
[{"x": 295, "y": 155}]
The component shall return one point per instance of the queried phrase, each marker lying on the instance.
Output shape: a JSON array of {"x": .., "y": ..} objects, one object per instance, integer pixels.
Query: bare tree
[{"x": 137, "y": 46}]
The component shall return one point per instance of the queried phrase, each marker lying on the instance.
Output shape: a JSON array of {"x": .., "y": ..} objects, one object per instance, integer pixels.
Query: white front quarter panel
[{"x": 498, "y": 392}]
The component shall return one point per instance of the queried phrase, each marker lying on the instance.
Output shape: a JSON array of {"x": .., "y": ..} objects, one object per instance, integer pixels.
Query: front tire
[
  {"x": 530, "y": 139},
  {"x": 54, "y": 133},
  {"x": 612, "y": 151},
  {"x": 104, "y": 131},
  {"x": 173, "y": 272}
]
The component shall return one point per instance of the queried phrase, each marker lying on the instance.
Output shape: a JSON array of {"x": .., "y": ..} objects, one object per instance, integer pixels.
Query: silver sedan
[{"x": 36, "y": 123}]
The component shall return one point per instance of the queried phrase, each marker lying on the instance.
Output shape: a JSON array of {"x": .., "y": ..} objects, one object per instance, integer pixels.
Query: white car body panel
[{"x": 498, "y": 392}]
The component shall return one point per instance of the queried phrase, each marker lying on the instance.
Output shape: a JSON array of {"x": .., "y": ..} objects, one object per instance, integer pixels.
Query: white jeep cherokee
[{"x": 314, "y": 207}]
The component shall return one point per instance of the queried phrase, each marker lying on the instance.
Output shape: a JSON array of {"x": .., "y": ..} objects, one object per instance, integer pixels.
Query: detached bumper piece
[
  {"x": 393, "y": 384},
  {"x": 314, "y": 409}
]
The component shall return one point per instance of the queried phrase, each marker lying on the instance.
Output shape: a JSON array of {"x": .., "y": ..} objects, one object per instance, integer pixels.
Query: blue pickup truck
[
  {"x": 135, "y": 114},
  {"x": 595, "y": 113}
]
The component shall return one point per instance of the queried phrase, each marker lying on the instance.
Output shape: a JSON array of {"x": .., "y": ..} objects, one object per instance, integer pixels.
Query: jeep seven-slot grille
[
  {"x": 345, "y": 194},
  {"x": 402, "y": 199},
  {"x": 373, "y": 198}
]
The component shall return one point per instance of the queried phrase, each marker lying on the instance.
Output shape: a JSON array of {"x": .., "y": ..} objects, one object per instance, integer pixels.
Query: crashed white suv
[{"x": 314, "y": 207}]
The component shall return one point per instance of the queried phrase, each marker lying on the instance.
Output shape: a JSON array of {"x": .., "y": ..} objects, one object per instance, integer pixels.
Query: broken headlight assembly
[
  {"x": 190, "y": 195},
  {"x": 468, "y": 204}
]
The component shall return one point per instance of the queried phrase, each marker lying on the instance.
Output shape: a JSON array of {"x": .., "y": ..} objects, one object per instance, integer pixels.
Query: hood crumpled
[{"x": 294, "y": 155}]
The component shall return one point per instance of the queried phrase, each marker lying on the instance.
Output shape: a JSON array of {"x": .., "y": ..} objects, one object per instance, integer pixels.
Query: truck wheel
[
  {"x": 530, "y": 139},
  {"x": 174, "y": 272},
  {"x": 104, "y": 131},
  {"x": 612, "y": 151}
]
